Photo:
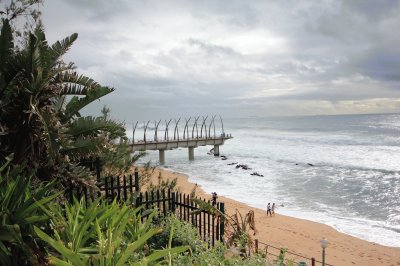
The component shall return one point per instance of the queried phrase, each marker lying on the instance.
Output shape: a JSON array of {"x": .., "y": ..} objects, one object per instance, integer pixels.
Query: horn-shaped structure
[{"x": 191, "y": 141}]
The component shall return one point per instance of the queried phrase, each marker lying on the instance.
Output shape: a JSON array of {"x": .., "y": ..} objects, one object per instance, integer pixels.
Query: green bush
[
  {"x": 101, "y": 234},
  {"x": 21, "y": 207},
  {"x": 184, "y": 233}
]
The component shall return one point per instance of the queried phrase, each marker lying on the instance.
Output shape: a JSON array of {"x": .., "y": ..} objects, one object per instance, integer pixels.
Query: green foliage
[
  {"x": 184, "y": 234},
  {"x": 201, "y": 254},
  {"x": 238, "y": 228},
  {"x": 163, "y": 184},
  {"x": 146, "y": 173},
  {"x": 101, "y": 234},
  {"x": 38, "y": 124},
  {"x": 21, "y": 208}
]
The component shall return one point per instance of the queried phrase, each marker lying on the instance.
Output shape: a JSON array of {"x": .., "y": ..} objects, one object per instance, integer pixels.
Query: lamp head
[{"x": 324, "y": 242}]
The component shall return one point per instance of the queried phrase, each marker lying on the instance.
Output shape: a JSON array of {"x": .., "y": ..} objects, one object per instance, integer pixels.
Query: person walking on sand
[
  {"x": 269, "y": 209},
  {"x": 273, "y": 209}
]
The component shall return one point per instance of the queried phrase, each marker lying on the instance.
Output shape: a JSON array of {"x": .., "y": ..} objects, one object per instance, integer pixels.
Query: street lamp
[{"x": 324, "y": 244}]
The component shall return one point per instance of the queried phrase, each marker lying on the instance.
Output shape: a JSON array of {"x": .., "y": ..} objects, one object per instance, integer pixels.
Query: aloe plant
[{"x": 101, "y": 234}]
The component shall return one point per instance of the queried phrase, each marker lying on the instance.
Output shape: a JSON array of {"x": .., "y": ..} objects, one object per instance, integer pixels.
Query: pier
[{"x": 194, "y": 135}]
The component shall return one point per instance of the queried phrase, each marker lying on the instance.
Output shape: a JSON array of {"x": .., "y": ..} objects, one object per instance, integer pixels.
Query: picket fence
[{"x": 209, "y": 224}]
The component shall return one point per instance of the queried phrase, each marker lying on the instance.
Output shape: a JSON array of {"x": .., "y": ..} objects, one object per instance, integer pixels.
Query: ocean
[{"x": 340, "y": 170}]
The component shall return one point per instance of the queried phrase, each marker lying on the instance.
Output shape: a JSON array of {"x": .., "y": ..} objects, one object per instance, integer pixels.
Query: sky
[{"x": 234, "y": 58}]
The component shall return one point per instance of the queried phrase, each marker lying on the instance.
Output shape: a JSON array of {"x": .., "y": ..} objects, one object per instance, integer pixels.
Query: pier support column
[
  {"x": 216, "y": 150},
  {"x": 191, "y": 153},
  {"x": 161, "y": 156}
]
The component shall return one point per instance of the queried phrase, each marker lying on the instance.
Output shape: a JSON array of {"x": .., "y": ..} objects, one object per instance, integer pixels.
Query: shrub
[
  {"x": 20, "y": 209},
  {"x": 101, "y": 234}
]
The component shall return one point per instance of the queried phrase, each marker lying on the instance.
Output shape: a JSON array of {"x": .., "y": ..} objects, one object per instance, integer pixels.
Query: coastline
[{"x": 298, "y": 235}]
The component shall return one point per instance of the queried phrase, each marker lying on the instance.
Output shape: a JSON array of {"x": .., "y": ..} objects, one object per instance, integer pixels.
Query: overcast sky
[{"x": 235, "y": 58}]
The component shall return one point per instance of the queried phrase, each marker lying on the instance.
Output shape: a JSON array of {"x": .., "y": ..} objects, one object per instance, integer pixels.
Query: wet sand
[{"x": 300, "y": 236}]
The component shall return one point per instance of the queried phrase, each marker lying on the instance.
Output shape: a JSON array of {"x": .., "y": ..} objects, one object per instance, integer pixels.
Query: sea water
[{"x": 343, "y": 171}]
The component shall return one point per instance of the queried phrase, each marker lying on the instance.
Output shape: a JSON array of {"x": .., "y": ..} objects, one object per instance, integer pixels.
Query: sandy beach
[{"x": 301, "y": 236}]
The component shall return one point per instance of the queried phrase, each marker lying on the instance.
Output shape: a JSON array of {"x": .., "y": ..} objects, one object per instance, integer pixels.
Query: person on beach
[
  {"x": 273, "y": 209},
  {"x": 269, "y": 209},
  {"x": 214, "y": 198}
]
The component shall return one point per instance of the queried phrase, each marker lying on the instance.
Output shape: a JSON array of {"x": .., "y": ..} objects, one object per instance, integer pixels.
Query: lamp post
[{"x": 324, "y": 244}]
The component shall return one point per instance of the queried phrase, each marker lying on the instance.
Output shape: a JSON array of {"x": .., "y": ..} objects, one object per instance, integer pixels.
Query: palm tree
[{"x": 39, "y": 127}]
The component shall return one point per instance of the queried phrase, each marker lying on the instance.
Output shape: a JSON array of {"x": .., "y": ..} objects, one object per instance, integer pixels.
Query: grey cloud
[{"x": 241, "y": 57}]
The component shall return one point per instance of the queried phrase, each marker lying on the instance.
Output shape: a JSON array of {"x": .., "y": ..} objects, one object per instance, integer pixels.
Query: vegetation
[
  {"x": 101, "y": 234},
  {"x": 21, "y": 210},
  {"x": 46, "y": 145}
]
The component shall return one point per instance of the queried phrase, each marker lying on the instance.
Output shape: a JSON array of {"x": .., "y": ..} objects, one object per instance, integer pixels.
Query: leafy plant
[
  {"x": 238, "y": 231},
  {"x": 21, "y": 208},
  {"x": 39, "y": 124},
  {"x": 238, "y": 228},
  {"x": 101, "y": 234}
]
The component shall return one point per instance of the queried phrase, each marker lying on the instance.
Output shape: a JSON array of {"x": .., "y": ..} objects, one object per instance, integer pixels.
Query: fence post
[
  {"x": 312, "y": 261},
  {"x": 118, "y": 189},
  {"x": 163, "y": 203},
  {"x": 173, "y": 202},
  {"x": 222, "y": 222},
  {"x": 184, "y": 207},
  {"x": 98, "y": 169},
  {"x": 106, "y": 186},
  {"x": 125, "y": 188},
  {"x": 137, "y": 188},
  {"x": 112, "y": 188},
  {"x": 130, "y": 185},
  {"x": 256, "y": 246}
]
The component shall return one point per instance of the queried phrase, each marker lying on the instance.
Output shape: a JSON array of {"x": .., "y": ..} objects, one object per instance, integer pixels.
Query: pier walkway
[{"x": 194, "y": 135}]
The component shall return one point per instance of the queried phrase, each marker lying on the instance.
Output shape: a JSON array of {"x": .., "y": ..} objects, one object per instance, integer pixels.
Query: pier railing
[
  {"x": 276, "y": 253},
  {"x": 210, "y": 226}
]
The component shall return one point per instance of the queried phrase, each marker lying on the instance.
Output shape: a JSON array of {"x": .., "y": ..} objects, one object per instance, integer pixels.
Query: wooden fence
[{"x": 209, "y": 224}]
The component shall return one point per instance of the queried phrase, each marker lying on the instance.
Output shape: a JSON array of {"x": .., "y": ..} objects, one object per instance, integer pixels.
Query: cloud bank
[{"x": 236, "y": 58}]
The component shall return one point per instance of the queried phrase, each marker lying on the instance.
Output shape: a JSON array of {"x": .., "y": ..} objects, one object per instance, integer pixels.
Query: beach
[{"x": 298, "y": 235}]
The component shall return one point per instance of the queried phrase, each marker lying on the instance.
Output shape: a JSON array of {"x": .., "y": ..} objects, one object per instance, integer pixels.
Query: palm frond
[
  {"x": 59, "y": 48},
  {"x": 85, "y": 126},
  {"x": 83, "y": 148}
]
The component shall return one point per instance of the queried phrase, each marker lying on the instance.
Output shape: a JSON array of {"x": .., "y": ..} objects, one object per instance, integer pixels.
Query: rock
[
  {"x": 256, "y": 174},
  {"x": 243, "y": 166}
]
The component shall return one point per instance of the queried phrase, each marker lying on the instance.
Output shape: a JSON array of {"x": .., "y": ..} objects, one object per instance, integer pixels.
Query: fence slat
[
  {"x": 163, "y": 203},
  {"x": 180, "y": 206},
  {"x": 158, "y": 200},
  {"x": 125, "y": 188},
  {"x": 214, "y": 234},
  {"x": 188, "y": 207},
  {"x": 137, "y": 186},
  {"x": 173, "y": 199},
  {"x": 112, "y": 188},
  {"x": 118, "y": 189},
  {"x": 147, "y": 200},
  {"x": 200, "y": 225},
  {"x": 130, "y": 184},
  {"x": 221, "y": 222}
]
